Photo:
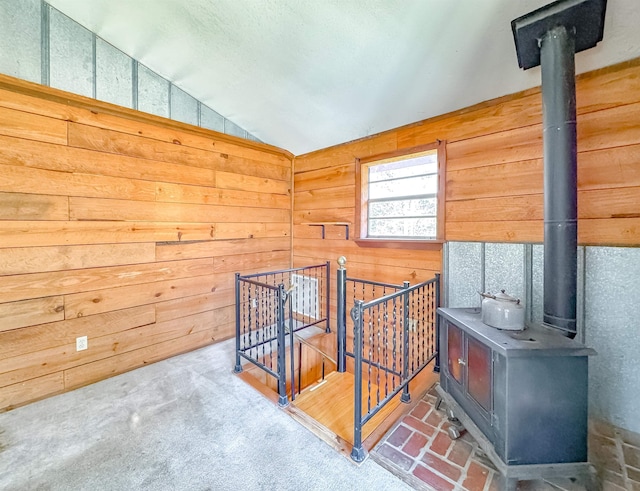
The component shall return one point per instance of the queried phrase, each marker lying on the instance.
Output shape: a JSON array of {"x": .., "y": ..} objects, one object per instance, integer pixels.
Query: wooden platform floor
[{"x": 331, "y": 402}]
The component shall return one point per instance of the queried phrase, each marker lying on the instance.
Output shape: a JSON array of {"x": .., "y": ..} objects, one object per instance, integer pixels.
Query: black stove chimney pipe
[
  {"x": 550, "y": 37},
  {"x": 557, "y": 49}
]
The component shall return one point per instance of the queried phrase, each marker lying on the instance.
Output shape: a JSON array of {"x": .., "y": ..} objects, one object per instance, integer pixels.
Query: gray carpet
[{"x": 186, "y": 423}]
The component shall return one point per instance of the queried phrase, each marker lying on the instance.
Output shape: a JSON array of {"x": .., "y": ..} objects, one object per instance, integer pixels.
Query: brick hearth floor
[{"x": 419, "y": 451}]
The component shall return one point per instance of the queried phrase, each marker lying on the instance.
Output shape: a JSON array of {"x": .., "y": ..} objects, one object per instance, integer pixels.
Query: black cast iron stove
[{"x": 523, "y": 395}]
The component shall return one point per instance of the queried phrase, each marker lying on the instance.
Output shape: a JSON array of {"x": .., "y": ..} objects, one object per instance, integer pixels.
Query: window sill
[{"x": 434, "y": 244}]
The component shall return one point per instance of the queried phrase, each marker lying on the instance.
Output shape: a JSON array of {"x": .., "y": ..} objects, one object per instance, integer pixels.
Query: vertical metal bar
[
  {"x": 406, "y": 396},
  {"x": 238, "y": 367},
  {"x": 292, "y": 363},
  {"x": 341, "y": 292},
  {"x": 357, "y": 452},
  {"x": 282, "y": 370},
  {"x": 327, "y": 282},
  {"x": 436, "y": 367}
]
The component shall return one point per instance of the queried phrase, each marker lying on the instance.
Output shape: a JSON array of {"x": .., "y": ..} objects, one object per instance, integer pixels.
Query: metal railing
[
  {"x": 394, "y": 337},
  {"x": 270, "y": 308}
]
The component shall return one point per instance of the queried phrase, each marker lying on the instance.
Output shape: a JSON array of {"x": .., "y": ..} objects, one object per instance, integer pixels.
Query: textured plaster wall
[
  {"x": 608, "y": 310},
  {"x": 42, "y": 45}
]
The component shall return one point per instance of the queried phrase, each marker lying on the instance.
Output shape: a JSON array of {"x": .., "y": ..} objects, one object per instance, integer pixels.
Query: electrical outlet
[
  {"x": 413, "y": 325},
  {"x": 81, "y": 343}
]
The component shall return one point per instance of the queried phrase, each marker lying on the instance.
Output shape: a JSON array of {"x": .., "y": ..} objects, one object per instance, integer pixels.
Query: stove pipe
[{"x": 550, "y": 37}]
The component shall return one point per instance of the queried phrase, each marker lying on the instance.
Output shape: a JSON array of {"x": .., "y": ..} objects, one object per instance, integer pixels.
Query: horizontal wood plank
[
  {"x": 31, "y": 312},
  {"x": 26, "y": 153},
  {"x": 39, "y": 181},
  {"x": 32, "y": 233},
  {"x": 31, "y": 390},
  {"x": 174, "y": 251},
  {"x": 124, "y": 210},
  {"x": 106, "y": 300},
  {"x": 333, "y": 177},
  {"x": 32, "y": 126},
  {"x": 35, "y": 285},
  {"x": 240, "y": 182},
  {"x": 23, "y": 260},
  {"x": 21, "y": 206},
  {"x": 27, "y": 340}
]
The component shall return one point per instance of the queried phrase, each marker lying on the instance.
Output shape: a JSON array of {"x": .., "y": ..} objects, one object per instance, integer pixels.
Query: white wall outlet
[
  {"x": 82, "y": 343},
  {"x": 413, "y": 325}
]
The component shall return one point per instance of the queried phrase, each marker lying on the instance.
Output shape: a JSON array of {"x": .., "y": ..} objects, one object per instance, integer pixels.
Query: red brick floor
[{"x": 419, "y": 451}]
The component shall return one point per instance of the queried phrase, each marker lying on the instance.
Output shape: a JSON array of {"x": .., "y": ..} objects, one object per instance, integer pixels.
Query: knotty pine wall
[
  {"x": 126, "y": 228},
  {"x": 493, "y": 177}
]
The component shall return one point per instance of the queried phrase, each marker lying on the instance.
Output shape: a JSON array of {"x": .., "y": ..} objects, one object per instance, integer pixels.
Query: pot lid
[{"x": 502, "y": 296}]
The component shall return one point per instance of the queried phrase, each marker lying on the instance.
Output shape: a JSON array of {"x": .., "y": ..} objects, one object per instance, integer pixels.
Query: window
[{"x": 401, "y": 195}]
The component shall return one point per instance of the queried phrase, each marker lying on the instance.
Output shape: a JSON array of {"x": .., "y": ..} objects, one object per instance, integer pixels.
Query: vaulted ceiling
[{"x": 307, "y": 74}]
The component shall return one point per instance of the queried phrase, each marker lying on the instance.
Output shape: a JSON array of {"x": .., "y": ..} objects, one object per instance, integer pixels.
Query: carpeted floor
[{"x": 186, "y": 423}]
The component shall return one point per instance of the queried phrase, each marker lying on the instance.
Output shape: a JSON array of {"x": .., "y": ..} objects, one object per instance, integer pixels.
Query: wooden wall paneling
[
  {"x": 495, "y": 148},
  {"x": 241, "y": 182},
  {"x": 333, "y": 249},
  {"x": 252, "y": 230},
  {"x": 609, "y": 231},
  {"x": 55, "y": 103},
  {"x": 181, "y": 307},
  {"x": 503, "y": 114},
  {"x": 511, "y": 179},
  {"x": 23, "y": 260},
  {"x": 345, "y": 154},
  {"x": 60, "y": 358},
  {"x": 325, "y": 215},
  {"x": 18, "y": 342},
  {"x": 26, "y": 153},
  {"x": 342, "y": 175},
  {"x": 65, "y": 282},
  {"x": 32, "y": 126},
  {"x": 609, "y": 168},
  {"x": 502, "y": 231},
  {"x": 31, "y": 390},
  {"x": 33, "y": 233},
  {"x": 254, "y": 263},
  {"x": 510, "y": 208},
  {"x": 255, "y": 168},
  {"x": 22, "y": 206},
  {"x": 105, "y": 300},
  {"x": 609, "y": 203},
  {"x": 109, "y": 141},
  {"x": 92, "y": 372},
  {"x": 125, "y": 210},
  {"x": 84, "y": 219},
  {"x": 177, "y": 193},
  {"x": 31, "y": 312},
  {"x": 176, "y": 250},
  {"x": 39, "y": 181},
  {"x": 336, "y": 197},
  {"x": 615, "y": 127}
]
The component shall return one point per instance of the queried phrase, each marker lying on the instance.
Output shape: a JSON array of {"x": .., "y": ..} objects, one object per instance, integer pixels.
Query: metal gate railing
[
  {"x": 394, "y": 337},
  {"x": 270, "y": 308}
]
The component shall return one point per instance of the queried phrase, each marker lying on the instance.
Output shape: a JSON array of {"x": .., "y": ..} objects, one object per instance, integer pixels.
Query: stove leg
[{"x": 510, "y": 484}]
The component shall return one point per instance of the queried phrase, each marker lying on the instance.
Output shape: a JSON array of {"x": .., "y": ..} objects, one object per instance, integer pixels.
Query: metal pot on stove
[{"x": 502, "y": 311}]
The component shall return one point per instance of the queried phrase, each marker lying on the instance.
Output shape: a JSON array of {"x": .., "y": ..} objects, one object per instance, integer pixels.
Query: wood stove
[{"x": 524, "y": 396}]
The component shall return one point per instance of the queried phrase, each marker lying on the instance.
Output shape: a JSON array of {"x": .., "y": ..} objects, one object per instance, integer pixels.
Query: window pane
[
  {"x": 403, "y": 227},
  {"x": 404, "y": 168},
  {"x": 404, "y": 187},
  {"x": 403, "y": 208}
]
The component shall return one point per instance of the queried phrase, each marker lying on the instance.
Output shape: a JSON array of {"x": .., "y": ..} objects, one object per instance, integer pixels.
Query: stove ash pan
[{"x": 525, "y": 391}]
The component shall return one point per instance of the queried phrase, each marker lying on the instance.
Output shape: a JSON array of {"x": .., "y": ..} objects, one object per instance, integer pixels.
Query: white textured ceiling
[{"x": 307, "y": 74}]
